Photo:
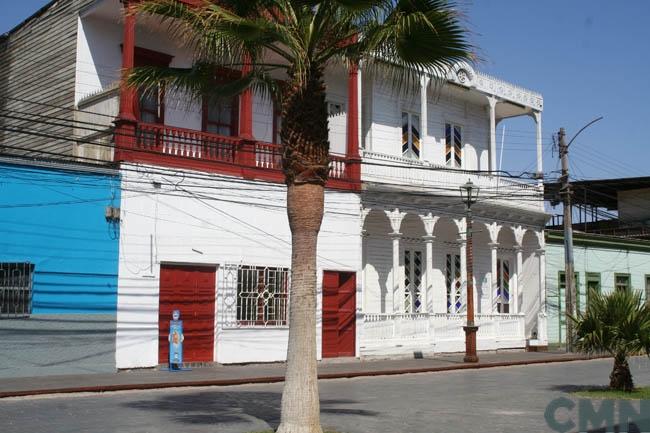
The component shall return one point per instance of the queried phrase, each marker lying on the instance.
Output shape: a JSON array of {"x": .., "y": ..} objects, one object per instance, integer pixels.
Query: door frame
[
  {"x": 319, "y": 313},
  {"x": 217, "y": 269}
]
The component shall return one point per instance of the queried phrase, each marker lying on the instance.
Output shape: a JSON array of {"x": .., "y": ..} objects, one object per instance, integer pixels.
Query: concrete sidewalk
[{"x": 222, "y": 375}]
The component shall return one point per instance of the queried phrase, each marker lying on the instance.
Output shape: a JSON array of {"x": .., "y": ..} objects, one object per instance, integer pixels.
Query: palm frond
[{"x": 615, "y": 323}]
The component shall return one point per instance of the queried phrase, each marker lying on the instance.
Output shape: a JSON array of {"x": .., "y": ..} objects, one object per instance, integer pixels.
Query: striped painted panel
[
  {"x": 448, "y": 144},
  {"x": 457, "y": 147}
]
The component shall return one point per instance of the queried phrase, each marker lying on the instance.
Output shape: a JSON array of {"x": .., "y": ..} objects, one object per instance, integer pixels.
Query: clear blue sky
[{"x": 587, "y": 57}]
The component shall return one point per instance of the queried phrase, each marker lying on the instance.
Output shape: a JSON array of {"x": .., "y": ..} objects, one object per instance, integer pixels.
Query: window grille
[
  {"x": 503, "y": 286},
  {"x": 454, "y": 285},
  {"x": 262, "y": 296},
  {"x": 412, "y": 281},
  {"x": 16, "y": 289}
]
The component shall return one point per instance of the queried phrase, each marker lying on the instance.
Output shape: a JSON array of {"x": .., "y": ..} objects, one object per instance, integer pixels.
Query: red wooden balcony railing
[{"x": 186, "y": 148}]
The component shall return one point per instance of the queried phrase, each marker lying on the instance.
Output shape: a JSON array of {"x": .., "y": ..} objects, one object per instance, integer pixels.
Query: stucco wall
[
  {"x": 606, "y": 261},
  {"x": 55, "y": 219},
  {"x": 197, "y": 218}
]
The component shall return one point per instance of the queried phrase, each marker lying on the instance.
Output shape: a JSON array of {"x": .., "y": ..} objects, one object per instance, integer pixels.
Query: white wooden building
[{"x": 203, "y": 219}]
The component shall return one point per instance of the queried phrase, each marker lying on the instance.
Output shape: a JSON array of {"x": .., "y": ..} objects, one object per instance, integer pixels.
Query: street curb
[{"x": 276, "y": 379}]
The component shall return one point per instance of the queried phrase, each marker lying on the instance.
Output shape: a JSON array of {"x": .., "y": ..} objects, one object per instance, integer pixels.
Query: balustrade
[
  {"x": 154, "y": 142},
  {"x": 495, "y": 330}
]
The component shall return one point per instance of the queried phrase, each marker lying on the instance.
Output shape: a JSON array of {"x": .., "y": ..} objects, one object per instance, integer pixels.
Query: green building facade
[{"x": 605, "y": 263}]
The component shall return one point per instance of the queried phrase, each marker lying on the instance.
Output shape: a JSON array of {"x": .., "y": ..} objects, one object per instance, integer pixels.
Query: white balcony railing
[
  {"x": 395, "y": 170},
  {"x": 438, "y": 332}
]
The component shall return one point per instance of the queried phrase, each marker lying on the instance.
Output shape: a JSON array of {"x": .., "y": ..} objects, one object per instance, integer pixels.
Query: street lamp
[{"x": 469, "y": 193}]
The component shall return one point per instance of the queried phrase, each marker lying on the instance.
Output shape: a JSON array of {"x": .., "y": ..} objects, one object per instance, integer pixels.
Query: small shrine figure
[{"x": 176, "y": 338}]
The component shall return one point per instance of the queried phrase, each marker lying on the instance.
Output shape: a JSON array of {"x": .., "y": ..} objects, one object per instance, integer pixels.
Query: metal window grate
[
  {"x": 262, "y": 296},
  {"x": 16, "y": 289}
]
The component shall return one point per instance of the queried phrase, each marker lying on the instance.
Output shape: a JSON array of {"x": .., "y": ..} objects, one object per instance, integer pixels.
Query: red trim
[
  {"x": 195, "y": 150},
  {"x": 246, "y": 108},
  {"x": 222, "y": 75},
  {"x": 127, "y": 94},
  {"x": 352, "y": 134},
  {"x": 352, "y": 148},
  {"x": 146, "y": 57}
]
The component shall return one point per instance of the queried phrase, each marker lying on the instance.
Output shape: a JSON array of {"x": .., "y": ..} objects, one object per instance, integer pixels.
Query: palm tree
[
  {"x": 618, "y": 324},
  {"x": 400, "y": 39}
]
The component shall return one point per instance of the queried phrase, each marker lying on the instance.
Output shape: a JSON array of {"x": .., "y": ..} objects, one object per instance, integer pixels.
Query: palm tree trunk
[
  {"x": 300, "y": 403},
  {"x": 621, "y": 377}
]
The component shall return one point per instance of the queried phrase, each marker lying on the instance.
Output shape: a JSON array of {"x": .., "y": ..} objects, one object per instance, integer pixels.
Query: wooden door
[
  {"x": 339, "y": 313},
  {"x": 190, "y": 289}
]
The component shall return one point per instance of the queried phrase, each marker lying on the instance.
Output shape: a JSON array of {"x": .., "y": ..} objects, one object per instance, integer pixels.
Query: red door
[
  {"x": 339, "y": 313},
  {"x": 190, "y": 289}
]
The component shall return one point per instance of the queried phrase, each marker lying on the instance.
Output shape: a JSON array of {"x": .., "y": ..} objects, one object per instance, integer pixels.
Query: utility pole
[{"x": 569, "y": 274}]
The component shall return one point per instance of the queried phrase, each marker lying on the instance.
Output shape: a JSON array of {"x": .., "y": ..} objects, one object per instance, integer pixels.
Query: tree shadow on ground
[
  {"x": 229, "y": 407},
  {"x": 576, "y": 388}
]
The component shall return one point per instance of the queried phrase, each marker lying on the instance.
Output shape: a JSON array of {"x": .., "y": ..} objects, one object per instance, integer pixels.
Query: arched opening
[{"x": 377, "y": 262}]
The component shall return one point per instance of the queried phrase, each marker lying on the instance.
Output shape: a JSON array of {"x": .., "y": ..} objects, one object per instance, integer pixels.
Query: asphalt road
[{"x": 509, "y": 399}]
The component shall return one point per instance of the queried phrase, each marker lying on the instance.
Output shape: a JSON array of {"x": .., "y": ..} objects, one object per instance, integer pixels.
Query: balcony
[
  {"x": 396, "y": 171},
  {"x": 197, "y": 150}
]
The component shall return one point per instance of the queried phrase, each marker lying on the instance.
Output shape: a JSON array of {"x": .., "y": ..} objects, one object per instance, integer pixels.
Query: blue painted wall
[{"x": 54, "y": 218}]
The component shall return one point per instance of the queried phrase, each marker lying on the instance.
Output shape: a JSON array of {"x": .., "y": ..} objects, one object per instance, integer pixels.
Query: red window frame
[
  {"x": 222, "y": 75},
  {"x": 146, "y": 57}
]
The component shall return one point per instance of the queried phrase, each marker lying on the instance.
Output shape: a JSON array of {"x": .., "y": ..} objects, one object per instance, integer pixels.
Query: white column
[
  {"x": 395, "y": 299},
  {"x": 424, "y": 84},
  {"x": 395, "y": 217},
  {"x": 429, "y": 221},
  {"x": 427, "y": 293},
  {"x": 493, "y": 276},
  {"x": 537, "y": 115},
  {"x": 492, "y": 103},
  {"x": 541, "y": 253},
  {"x": 517, "y": 279},
  {"x": 542, "y": 331}
]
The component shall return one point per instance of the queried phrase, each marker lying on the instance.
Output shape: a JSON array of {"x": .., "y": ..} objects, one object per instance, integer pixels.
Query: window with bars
[
  {"x": 454, "y": 284},
  {"x": 453, "y": 145},
  {"x": 262, "y": 296},
  {"x": 411, "y": 135},
  {"x": 503, "y": 286},
  {"x": 622, "y": 282},
  {"x": 16, "y": 289},
  {"x": 412, "y": 281}
]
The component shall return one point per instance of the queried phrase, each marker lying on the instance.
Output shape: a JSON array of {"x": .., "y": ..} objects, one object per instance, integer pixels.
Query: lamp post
[{"x": 469, "y": 193}]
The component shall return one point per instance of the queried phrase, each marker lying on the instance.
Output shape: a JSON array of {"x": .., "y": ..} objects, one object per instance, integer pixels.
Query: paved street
[{"x": 510, "y": 399}]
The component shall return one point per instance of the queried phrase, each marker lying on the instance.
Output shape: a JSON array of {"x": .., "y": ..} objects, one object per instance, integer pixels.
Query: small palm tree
[
  {"x": 618, "y": 324},
  {"x": 399, "y": 39}
]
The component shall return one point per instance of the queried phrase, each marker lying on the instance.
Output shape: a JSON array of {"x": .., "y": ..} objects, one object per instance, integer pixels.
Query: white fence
[{"x": 387, "y": 334}]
